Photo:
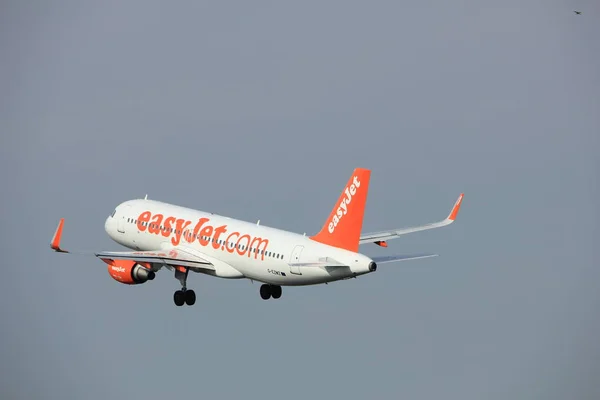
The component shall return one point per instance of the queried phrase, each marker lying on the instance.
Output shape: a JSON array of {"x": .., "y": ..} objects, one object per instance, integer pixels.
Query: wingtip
[
  {"x": 55, "y": 243},
  {"x": 456, "y": 208}
]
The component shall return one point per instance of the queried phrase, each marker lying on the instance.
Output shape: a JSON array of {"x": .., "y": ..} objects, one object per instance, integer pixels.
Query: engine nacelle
[{"x": 129, "y": 272}]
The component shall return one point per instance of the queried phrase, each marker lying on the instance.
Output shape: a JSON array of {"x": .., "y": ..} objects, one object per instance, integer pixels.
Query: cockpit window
[{"x": 113, "y": 213}]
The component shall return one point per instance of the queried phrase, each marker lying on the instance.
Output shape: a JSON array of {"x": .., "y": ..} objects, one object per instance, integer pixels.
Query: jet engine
[{"x": 129, "y": 272}]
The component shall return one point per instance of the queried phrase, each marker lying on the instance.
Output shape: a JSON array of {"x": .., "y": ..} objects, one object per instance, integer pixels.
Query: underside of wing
[
  {"x": 170, "y": 258},
  {"x": 388, "y": 259},
  {"x": 381, "y": 237}
]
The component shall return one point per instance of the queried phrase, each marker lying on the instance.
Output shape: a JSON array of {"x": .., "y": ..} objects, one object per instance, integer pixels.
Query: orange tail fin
[{"x": 342, "y": 228}]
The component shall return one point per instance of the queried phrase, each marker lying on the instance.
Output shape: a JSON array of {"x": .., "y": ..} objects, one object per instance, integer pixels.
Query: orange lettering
[
  {"x": 245, "y": 244},
  {"x": 144, "y": 217},
  {"x": 244, "y": 247},
  {"x": 257, "y": 248},
  {"x": 231, "y": 247},
  {"x": 168, "y": 226},
  {"x": 201, "y": 222},
  {"x": 155, "y": 225},
  {"x": 179, "y": 228},
  {"x": 218, "y": 231},
  {"x": 205, "y": 235}
]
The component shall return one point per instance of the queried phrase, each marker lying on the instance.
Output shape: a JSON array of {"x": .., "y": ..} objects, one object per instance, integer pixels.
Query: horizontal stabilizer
[{"x": 388, "y": 259}]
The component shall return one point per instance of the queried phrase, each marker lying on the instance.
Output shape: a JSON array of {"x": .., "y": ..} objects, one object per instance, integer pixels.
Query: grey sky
[{"x": 261, "y": 110}]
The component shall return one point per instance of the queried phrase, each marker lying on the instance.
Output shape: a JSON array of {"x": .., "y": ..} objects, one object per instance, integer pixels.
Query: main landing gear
[
  {"x": 268, "y": 291},
  {"x": 183, "y": 296}
]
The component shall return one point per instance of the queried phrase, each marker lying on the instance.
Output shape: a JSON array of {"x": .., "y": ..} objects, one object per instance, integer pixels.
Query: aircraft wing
[
  {"x": 168, "y": 258},
  {"x": 381, "y": 237},
  {"x": 173, "y": 257}
]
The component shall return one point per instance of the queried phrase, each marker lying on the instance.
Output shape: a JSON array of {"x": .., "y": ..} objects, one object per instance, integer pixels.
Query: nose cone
[{"x": 109, "y": 226}]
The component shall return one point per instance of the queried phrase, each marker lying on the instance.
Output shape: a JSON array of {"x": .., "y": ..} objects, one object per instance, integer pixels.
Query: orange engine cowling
[{"x": 129, "y": 272}]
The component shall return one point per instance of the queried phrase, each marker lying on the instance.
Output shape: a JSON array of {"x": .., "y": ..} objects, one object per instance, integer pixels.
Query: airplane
[
  {"x": 577, "y": 12},
  {"x": 185, "y": 240}
]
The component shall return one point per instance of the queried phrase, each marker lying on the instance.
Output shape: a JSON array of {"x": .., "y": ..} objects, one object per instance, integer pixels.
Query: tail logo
[{"x": 343, "y": 207}]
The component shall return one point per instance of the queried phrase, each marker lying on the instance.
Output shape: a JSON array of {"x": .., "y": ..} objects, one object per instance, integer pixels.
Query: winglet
[
  {"x": 456, "y": 207},
  {"x": 55, "y": 244}
]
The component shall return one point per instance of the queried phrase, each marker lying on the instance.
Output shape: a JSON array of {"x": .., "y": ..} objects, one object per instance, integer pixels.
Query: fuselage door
[
  {"x": 122, "y": 216},
  {"x": 295, "y": 258}
]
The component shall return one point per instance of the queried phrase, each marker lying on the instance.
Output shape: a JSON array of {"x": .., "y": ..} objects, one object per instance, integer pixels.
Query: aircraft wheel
[
  {"x": 276, "y": 291},
  {"x": 190, "y": 297},
  {"x": 265, "y": 292},
  {"x": 179, "y": 298}
]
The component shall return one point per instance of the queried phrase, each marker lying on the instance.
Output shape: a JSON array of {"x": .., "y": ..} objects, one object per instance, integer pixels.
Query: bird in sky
[{"x": 577, "y": 12}]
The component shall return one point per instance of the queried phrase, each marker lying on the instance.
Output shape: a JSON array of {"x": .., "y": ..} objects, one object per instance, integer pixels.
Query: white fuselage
[{"x": 237, "y": 249}]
